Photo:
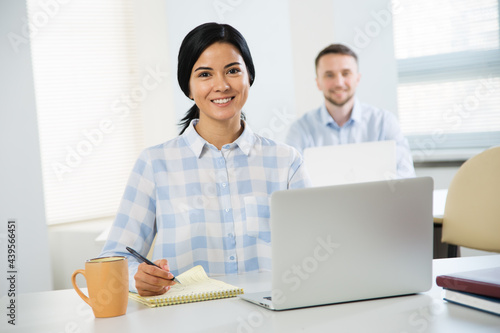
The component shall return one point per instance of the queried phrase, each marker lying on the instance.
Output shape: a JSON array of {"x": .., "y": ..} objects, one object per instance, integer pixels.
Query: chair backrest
[{"x": 472, "y": 211}]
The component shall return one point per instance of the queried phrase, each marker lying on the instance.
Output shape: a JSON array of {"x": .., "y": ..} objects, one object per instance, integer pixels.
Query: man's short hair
[{"x": 336, "y": 49}]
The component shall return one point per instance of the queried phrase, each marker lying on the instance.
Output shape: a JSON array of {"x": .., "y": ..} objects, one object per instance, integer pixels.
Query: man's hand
[{"x": 151, "y": 280}]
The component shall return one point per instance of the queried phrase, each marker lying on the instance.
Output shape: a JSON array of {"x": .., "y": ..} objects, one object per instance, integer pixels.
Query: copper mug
[{"x": 107, "y": 284}]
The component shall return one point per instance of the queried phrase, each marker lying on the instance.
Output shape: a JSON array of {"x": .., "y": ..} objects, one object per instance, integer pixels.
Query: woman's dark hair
[{"x": 193, "y": 46}]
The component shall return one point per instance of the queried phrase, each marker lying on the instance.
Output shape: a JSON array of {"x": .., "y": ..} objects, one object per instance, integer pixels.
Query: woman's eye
[
  {"x": 204, "y": 75},
  {"x": 233, "y": 71}
]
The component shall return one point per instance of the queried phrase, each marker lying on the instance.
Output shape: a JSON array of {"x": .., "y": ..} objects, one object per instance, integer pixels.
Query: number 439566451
[{"x": 11, "y": 246}]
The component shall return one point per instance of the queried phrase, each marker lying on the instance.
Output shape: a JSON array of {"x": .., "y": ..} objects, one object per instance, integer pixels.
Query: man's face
[{"x": 337, "y": 77}]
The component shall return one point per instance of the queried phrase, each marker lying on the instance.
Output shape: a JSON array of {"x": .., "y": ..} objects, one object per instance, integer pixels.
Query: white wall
[
  {"x": 366, "y": 27},
  {"x": 152, "y": 49},
  {"x": 312, "y": 29},
  {"x": 442, "y": 175},
  {"x": 21, "y": 191},
  {"x": 70, "y": 246}
]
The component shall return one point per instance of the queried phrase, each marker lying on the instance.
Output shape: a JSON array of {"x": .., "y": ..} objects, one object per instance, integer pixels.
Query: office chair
[{"x": 472, "y": 210}]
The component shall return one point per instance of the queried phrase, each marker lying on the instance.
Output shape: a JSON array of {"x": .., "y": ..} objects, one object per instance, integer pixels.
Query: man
[{"x": 342, "y": 119}]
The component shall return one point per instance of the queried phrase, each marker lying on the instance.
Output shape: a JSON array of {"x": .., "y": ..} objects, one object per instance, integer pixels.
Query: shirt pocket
[{"x": 258, "y": 217}]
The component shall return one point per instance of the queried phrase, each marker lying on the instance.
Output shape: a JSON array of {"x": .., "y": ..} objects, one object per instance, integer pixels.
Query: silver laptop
[
  {"x": 351, "y": 163},
  {"x": 350, "y": 242}
]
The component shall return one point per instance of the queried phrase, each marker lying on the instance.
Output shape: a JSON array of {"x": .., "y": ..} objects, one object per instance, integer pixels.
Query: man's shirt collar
[{"x": 328, "y": 120}]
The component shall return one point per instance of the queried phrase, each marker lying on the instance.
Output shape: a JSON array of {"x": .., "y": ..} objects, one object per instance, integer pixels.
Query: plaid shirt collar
[{"x": 198, "y": 145}]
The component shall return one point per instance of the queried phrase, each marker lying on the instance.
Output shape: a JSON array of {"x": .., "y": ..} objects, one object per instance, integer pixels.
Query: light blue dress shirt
[
  {"x": 206, "y": 206},
  {"x": 367, "y": 123}
]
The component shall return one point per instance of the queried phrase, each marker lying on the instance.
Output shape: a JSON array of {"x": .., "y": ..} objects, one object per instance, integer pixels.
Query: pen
[{"x": 141, "y": 258}]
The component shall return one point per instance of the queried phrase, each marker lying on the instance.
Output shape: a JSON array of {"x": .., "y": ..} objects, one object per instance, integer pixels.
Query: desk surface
[{"x": 64, "y": 311}]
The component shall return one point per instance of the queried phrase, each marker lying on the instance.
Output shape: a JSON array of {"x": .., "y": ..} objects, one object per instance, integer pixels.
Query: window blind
[
  {"x": 88, "y": 98},
  {"x": 448, "y": 56}
]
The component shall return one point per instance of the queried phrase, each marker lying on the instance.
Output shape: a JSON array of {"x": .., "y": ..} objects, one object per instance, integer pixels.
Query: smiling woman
[
  {"x": 205, "y": 194},
  {"x": 200, "y": 46},
  {"x": 219, "y": 86}
]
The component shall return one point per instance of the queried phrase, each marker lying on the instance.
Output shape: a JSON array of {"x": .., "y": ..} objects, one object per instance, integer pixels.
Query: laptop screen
[{"x": 351, "y": 163}]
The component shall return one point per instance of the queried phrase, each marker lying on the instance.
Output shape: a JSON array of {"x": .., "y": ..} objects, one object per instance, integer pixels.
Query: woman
[{"x": 205, "y": 194}]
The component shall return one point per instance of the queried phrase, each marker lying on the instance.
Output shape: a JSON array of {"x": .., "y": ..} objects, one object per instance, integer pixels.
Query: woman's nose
[{"x": 221, "y": 84}]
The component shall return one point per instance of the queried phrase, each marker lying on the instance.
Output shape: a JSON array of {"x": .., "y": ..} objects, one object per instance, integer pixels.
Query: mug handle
[{"x": 73, "y": 281}]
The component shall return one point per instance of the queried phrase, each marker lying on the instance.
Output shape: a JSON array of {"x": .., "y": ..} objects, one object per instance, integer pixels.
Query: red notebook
[{"x": 482, "y": 282}]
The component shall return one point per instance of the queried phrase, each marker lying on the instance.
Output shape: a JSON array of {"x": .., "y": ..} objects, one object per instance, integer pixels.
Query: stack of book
[{"x": 478, "y": 289}]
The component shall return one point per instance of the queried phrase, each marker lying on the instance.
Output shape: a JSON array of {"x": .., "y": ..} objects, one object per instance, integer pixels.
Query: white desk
[{"x": 63, "y": 311}]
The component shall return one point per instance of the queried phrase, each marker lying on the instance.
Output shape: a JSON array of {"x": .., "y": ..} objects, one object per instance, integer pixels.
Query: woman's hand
[{"x": 151, "y": 280}]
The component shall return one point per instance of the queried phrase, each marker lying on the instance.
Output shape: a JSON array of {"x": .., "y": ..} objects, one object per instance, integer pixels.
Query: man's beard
[{"x": 349, "y": 97}]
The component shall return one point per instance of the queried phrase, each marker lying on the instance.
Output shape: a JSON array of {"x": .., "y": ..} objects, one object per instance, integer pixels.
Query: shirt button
[
  {"x": 224, "y": 184},
  {"x": 231, "y": 257},
  {"x": 227, "y": 210}
]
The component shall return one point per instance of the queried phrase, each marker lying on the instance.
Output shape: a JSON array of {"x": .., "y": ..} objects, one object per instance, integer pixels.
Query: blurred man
[{"x": 342, "y": 119}]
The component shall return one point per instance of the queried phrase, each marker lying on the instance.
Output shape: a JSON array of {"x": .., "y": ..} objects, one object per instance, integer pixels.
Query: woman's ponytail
[{"x": 193, "y": 113}]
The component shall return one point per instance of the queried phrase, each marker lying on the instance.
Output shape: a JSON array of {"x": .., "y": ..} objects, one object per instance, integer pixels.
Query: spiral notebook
[{"x": 195, "y": 286}]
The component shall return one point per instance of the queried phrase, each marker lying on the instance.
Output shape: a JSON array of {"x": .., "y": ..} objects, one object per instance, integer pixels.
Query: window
[
  {"x": 87, "y": 93},
  {"x": 448, "y": 56}
]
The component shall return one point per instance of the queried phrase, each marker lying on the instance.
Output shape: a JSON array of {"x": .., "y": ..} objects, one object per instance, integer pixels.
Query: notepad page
[
  {"x": 199, "y": 288},
  {"x": 194, "y": 282},
  {"x": 193, "y": 275},
  {"x": 195, "y": 286}
]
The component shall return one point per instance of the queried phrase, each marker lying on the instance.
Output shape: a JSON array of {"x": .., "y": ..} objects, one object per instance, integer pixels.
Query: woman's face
[{"x": 219, "y": 83}]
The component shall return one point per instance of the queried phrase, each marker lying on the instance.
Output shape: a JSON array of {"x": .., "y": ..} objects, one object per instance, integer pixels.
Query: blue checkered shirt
[{"x": 206, "y": 206}]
